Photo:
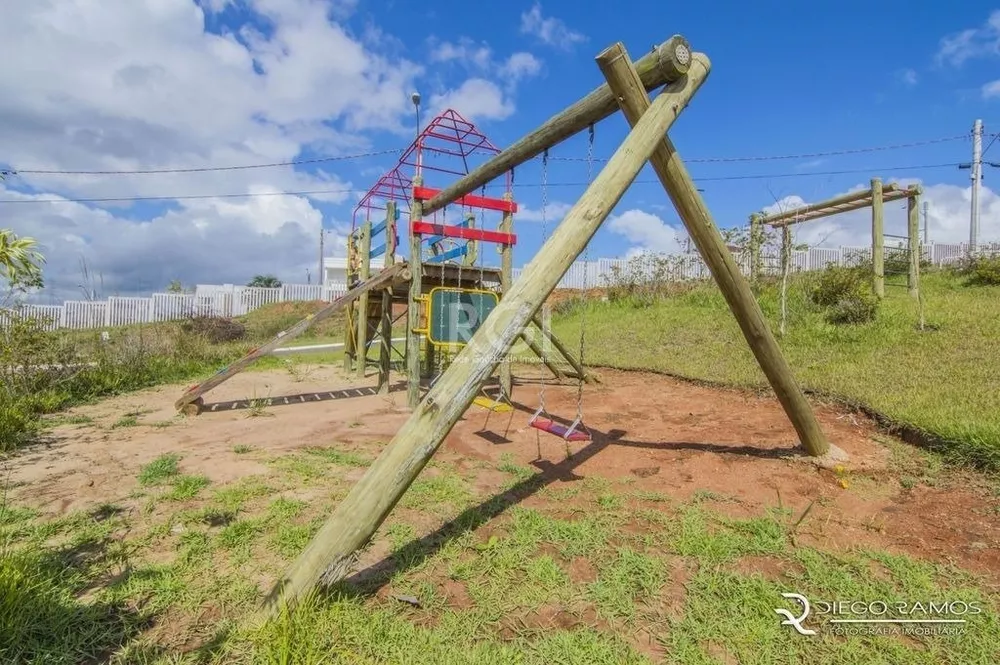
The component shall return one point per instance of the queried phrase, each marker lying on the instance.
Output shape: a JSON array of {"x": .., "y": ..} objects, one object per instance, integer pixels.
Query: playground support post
[
  {"x": 364, "y": 271},
  {"x": 878, "y": 239},
  {"x": 624, "y": 81},
  {"x": 786, "y": 263},
  {"x": 413, "y": 306},
  {"x": 385, "y": 351},
  {"x": 913, "y": 240},
  {"x": 330, "y": 554},
  {"x": 665, "y": 64}
]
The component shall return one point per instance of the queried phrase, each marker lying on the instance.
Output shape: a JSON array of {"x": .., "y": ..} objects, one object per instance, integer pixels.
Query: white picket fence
[
  {"x": 597, "y": 273},
  {"x": 231, "y": 300},
  {"x": 207, "y": 300}
]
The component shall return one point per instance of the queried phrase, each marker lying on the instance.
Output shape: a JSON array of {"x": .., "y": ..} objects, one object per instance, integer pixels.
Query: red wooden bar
[
  {"x": 421, "y": 228},
  {"x": 471, "y": 200}
]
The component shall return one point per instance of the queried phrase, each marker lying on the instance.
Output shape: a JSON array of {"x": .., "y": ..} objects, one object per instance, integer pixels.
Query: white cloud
[
  {"x": 908, "y": 77},
  {"x": 647, "y": 231},
  {"x": 520, "y": 65},
  {"x": 948, "y": 214},
  {"x": 983, "y": 41},
  {"x": 476, "y": 99},
  {"x": 464, "y": 50},
  {"x": 991, "y": 89},
  {"x": 142, "y": 84},
  {"x": 554, "y": 212},
  {"x": 210, "y": 241},
  {"x": 551, "y": 31}
]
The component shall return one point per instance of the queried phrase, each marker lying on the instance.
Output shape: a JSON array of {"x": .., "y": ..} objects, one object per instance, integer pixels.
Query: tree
[
  {"x": 20, "y": 261},
  {"x": 175, "y": 286},
  {"x": 265, "y": 281}
]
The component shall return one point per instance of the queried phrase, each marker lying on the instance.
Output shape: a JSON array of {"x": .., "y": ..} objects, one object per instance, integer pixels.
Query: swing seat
[
  {"x": 492, "y": 404},
  {"x": 559, "y": 430}
]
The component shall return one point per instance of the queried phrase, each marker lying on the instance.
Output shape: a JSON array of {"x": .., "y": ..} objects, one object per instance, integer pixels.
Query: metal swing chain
[
  {"x": 586, "y": 270},
  {"x": 545, "y": 237}
]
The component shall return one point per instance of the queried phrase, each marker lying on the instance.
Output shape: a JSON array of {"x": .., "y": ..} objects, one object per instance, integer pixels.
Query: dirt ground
[{"x": 668, "y": 436}]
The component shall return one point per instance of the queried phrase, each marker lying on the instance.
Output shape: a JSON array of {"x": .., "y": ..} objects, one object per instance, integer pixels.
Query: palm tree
[
  {"x": 265, "y": 281},
  {"x": 20, "y": 262}
]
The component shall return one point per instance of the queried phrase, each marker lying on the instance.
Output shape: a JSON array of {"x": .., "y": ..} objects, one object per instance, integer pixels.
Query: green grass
[
  {"x": 160, "y": 470},
  {"x": 550, "y": 583},
  {"x": 942, "y": 381}
]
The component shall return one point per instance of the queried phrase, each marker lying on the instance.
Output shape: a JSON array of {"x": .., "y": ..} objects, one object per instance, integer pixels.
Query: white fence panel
[
  {"x": 127, "y": 311},
  {"x": 172, "y": 306},
  {"x": 84, "y": 314}
]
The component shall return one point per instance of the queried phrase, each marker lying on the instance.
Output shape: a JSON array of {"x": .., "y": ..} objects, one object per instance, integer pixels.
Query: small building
[{"x": 334, "y": 270}]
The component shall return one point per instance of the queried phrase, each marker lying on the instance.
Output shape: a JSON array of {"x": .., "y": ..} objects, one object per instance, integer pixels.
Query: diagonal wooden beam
[{"x": 624, "y": 80}]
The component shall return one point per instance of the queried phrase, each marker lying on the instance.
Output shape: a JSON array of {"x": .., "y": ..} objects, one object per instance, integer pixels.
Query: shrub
[
  {"x": 835, "y": 283},
  {"x": 846, "y": 294},
  {"x": 983, "y": 271},
  {"x": 860, "y": 307},
  {"x": 215, "y": 329}
]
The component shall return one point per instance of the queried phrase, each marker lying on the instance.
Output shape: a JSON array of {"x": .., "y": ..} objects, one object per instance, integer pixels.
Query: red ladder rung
[
  {"x": 421, "y": 228},
  {"x": 470, "y": 200}
]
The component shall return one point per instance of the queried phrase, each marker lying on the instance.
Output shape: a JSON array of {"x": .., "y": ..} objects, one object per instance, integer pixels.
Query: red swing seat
[{"x": 559, "y": 430}]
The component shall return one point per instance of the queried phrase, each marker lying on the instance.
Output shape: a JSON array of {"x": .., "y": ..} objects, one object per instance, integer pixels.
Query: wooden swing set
[{"x": 330, "y": 555}]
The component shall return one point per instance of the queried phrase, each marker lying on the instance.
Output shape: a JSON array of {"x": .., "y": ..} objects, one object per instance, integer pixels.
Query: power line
[
  {"x": 204, "y": 169},
  {"x": 763, "y": 176},
  {"x": 320, "y": 160},
  {"x": 992, "y": 141},
  {"x": 806, "y": 155}
]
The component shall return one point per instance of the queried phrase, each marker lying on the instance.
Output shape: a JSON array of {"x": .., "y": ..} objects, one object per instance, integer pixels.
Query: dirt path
[{"x": 668, "y": 436}]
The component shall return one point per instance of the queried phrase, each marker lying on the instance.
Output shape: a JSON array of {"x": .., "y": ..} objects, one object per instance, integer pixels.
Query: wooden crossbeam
[
  {"x": 836, "y": 208},
  {"x": 420, "y": 228},
  {"x": 469, "y": 200}
]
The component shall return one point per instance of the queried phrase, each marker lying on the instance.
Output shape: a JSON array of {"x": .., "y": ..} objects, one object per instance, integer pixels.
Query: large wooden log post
[
  {"x": 878, "y": 239},
  {"x": 413, "y": 306},
  {"x": 665, "y": 64},
  {"x": 913, "y": 240},
  {"x": 670, "y": 169},
  {"x": 330, "y": 554}
]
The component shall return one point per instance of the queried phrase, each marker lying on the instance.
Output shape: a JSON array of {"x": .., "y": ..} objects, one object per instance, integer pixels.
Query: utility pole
[
  {"x": 977, "y": 176},
  {"x": 321, "y": 280}
]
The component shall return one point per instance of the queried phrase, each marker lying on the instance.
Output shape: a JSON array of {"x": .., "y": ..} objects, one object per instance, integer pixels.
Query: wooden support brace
[
  {"x": 666, "y": 162},
  {"x": 364, "y": 272},
  {"x": 329, "y": 556}
]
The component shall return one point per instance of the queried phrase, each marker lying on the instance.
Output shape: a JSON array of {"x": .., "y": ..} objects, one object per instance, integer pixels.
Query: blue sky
[{"x": 294, "y": 79}]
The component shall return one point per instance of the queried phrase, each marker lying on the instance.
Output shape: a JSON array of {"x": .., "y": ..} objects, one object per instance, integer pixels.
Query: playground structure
[
  {"x": 443, "y": 282},
  {"x": 875, "y": 197},
  {"x": 434, "y": 285},
  {"x": 330, "y": 555}
]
